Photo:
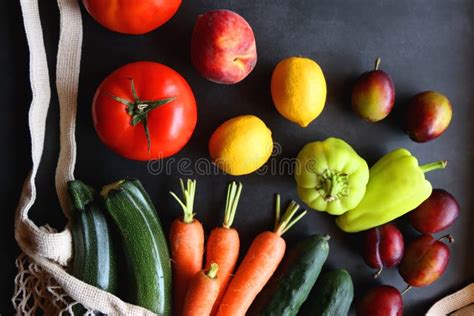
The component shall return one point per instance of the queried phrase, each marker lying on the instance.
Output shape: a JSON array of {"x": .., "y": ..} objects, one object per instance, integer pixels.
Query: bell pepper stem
[
  {"x": 434, "y": 166},
  {"x": 334, "y": 186},
  {"x": 334, "y": 189}
]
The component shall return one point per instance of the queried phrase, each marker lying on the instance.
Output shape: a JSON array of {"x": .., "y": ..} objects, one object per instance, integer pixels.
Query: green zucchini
[
  {"x": 94, "y": 257},
  {"x": 331, "y": 296},
  {"x": 291, "y": 284},
  {"x": 144, "y": 243}
]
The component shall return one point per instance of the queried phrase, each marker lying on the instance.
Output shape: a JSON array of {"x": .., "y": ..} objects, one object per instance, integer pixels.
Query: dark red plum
[
  {"x": 425, "y": 260},
  {"x": 435, "y": 214},
  {"x": 383, "y": 247},
  {"x": 383, "y": 300},
  {"x": 428, "y": 116},
  {"x": 373, "y": 94}
]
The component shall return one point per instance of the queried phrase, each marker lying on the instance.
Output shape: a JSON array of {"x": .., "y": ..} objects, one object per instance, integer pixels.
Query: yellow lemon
[
  {"x": 241, "y": 145},
  {"x": 298, "y": 89}
]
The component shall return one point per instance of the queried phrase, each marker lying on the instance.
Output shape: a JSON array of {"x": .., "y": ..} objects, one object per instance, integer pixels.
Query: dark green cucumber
[
  {"x": 144, "y": 244},
  {"x": 291, "y": 284},
  {"x": 332, "y": 295},
  {"x": 94, "y": 258}
]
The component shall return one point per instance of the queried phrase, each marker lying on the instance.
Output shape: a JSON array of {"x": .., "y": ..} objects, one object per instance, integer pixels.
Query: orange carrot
[
  {"x": 259, "y": 264},
  {"x": 224, "y": 243},
  {"x": 186, "y": 246},
  {"x": 202, "y": 292}
]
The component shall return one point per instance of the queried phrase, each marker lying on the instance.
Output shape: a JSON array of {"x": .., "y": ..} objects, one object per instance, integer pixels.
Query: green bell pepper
[
  {"x": 396, "y": 186},
  {"x": 330, "y": 176}
]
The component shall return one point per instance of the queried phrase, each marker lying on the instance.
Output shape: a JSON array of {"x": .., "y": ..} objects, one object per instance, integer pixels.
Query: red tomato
[
  {"x": 132, "y": 16},
  {"x": 144, "y": 110}
]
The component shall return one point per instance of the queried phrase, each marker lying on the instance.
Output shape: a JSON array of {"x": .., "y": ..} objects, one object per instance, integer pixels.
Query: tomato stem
[{"x": 139, "y": 109}]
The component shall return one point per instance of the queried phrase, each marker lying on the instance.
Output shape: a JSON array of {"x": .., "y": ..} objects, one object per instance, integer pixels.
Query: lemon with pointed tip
[
  {"x": 241, "y": 145},
  {"x": 298, "y": 89}
]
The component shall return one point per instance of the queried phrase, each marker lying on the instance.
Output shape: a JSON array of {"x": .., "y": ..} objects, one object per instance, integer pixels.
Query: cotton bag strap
[
  {"x": 51, "y": 251},
  {"x": 459, "y": 303},
  {"x": 55, "y": 246}
]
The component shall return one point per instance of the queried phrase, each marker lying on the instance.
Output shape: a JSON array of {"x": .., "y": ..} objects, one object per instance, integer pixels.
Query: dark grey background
[{"x": 424, "y": 44}]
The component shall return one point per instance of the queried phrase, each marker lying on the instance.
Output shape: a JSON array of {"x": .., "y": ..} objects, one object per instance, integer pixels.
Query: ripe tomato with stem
[{"x": 144, "y": 110}]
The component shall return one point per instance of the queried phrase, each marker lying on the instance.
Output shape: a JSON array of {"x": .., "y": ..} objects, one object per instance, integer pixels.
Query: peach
[{"x": 223, "y": 48}]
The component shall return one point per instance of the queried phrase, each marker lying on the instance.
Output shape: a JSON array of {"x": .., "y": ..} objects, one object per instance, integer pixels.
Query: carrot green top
[
  {"x": 284, "y": 223},
  {"x": 188, "y": 196},
  {"x": 212, "y": 272},
  {"x": 233, "y": 195}
]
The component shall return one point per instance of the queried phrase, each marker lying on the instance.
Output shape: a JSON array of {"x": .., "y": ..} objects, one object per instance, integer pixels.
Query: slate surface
[{"x": 424, "y": 45}]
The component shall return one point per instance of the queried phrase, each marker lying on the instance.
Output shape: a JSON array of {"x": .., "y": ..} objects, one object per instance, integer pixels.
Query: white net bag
[{"x": 43, "y": 282}]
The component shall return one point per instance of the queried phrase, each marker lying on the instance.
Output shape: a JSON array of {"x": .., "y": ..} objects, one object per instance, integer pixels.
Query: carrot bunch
[
  {"x": 206, "y": 289},
  {"x": 212, "y": 290},
  {"x": 195, "y": 291},
  {"x": 259, "y": 264},
  {"x": 186, "y": 245}
]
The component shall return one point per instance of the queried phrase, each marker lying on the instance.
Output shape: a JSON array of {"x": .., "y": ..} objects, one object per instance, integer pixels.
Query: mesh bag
[{"x": 43, "y": 283}]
